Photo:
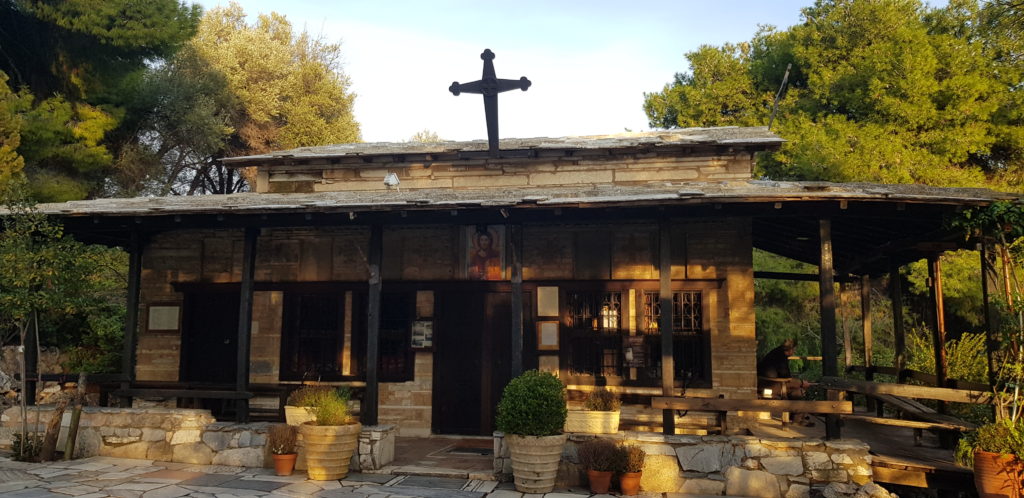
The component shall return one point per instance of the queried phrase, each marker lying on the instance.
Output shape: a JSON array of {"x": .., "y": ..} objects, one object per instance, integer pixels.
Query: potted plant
[
  {"x": 297, "y": 407},
  {"x": 632, "y": 469},
  {"x": 602, "y": 458},
  {"x": 993, "y": 451},
  {"x": 331, "y": 439},
  {"x": 531, "y": 413},
  {"x": 600, "y": 414},
  {"x": 282, "y": 447}
]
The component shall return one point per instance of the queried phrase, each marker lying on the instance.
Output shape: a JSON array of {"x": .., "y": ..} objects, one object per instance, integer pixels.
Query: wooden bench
[{"x": 723, "y": 406}]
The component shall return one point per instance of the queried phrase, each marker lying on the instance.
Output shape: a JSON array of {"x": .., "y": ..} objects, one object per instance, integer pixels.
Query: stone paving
[{"x": 98, "y": 477}]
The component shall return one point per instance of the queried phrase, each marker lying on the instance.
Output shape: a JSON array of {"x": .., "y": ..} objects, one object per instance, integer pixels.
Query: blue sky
[{"x": 589, "y": 62}]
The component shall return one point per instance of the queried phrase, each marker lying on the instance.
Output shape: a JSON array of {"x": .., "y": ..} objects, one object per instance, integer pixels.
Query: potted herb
[
  {"x": 330, "y": 440},
  {"x": 993, "y": 451},
  {"x": 632, "y": 469},
  {"x": 532, "y": 414},
  {"x": 600, "y": 414},
  {"x": 282, "y": 447},
  {"x": 297, "y": 407},
  {"x": 602, "y": 459}
]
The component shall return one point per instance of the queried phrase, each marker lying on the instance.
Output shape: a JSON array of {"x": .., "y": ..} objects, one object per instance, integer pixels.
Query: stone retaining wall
[
  {"x": 181, "y": 435},
  {"x": 730, "y": 465}
]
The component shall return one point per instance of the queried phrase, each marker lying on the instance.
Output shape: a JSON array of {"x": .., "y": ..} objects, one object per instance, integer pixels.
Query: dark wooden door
[
  {"x": 209, "y": 338},
  {"x": 472, "y": 343}
]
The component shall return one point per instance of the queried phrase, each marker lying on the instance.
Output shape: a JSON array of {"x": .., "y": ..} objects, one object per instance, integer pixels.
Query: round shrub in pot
[{"x": 532, "y": 414}]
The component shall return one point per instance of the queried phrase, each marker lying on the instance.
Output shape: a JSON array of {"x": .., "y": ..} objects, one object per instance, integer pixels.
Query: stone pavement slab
[
  {"x": 242, "y": 484},
  {"x": 432, "y": 482}
]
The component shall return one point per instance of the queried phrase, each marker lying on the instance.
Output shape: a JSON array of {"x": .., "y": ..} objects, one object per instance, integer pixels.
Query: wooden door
[
  {"x": 471, "y": 360},
  {"x": 209, "y": 338}
]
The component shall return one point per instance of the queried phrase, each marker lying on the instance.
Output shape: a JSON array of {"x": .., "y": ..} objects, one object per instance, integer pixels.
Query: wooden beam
[
  {"x": 665, "y": 321},
  {"x": 899, "y": 336},
  {"x": 31, "y": 360},
  {"x": 907, "y": 391},
  {"x": 865, "y": 317},
  {"x": 826, "y": 290},
  {"x": 131, "y": 315},
  {"x": 799, "y": 277},
  {"x": 938, "y": 315},
  {"x": 764, "y": 405},
  {"x": 370, "y": 397},
  {"x": 245, "y": 320},
  {"x": 987, "y": 287},
  {"x": 847, "y": 334},
  {"x": 912, "y": 424},
  {"x": 516, "y": 235}
]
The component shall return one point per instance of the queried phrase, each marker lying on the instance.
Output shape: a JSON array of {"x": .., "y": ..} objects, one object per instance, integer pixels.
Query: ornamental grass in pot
[
  {"x": 297, "y": 409},
  {"x": 632, "y": 468},
  {"x": 531, "y": 413},
  {"x": 281, "y": 441},
  {"x": 331, "y": 440},
  {"x": 602, "y": 459},
  {"x": 600, "y": 414}
]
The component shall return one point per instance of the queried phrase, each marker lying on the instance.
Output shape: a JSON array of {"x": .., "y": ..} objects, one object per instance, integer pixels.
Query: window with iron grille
[
  {"x": 593, "y": 324},
  {"x": 687, "y": 312},
  {"x": 689, "y": 342}
]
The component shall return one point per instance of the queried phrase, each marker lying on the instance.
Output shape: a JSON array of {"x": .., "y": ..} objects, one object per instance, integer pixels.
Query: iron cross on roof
[{"x": 490, "y": 86}]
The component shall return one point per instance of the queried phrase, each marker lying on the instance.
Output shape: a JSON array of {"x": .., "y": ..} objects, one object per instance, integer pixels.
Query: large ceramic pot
[
  {"x": 535, "y": 461},
  {"x": 996, "y": 475},
  {"x": 328, "y": 449},
  {"x": 298, "y": 415},
  {"x": 592, "y": 422}
]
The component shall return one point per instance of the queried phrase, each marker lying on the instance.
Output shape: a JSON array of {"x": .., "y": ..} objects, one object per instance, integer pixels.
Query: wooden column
[
  {"x": 516, "y": 234},
  {"x": 827, "y": 298},
  {"x": 31, "y": 360},
  {"x": 131, "y": 316},
  {"x": 938, "y": 318},
  {"x": 865, "y": 318},
  {"x": 899, "y": 337},
  {"x": 369, "y": 406},
  {"x": 665, "y": 322},
  {"x": 987, "y": 288},
  {"x": 847, "y": 334},
  {"x": 245, "y": 320}
]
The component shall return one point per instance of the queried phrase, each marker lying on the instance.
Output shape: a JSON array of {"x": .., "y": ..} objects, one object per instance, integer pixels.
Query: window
[
  {"x": 593, "y": 326},
  {"x": 396, "y": 355},
  {"x": 312, "y": 336},
  {"x": 689, "y": 342}
]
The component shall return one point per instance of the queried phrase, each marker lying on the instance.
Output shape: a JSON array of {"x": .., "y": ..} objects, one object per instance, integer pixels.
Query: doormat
[{"x": 469, "y": 449}]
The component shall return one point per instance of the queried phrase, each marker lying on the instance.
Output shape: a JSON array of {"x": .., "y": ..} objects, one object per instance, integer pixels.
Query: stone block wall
[
  {"x": 581, "y": 169},
  {"x": 725, "y": 465},
  {"x": 183, "y": 435},
  {"x": 409, "y": 405}
]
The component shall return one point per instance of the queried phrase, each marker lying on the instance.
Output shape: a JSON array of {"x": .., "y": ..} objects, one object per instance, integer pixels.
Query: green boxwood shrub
[
  {"x": 1003, "y": 436},
  {"x": 533, "y": 404}
]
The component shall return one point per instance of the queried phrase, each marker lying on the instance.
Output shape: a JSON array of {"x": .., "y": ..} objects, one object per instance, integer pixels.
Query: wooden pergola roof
[{"x": 874, "y": 225}]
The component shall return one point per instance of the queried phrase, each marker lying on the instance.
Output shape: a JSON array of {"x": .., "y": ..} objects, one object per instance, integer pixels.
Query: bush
[
  {"x": 533, "y": 404},
  {"x": 601, "y": 455},
  {"x": 1002, "y": 436},
  {"x": 632, "y": 458},
  {"x": 330, "y": 406},
  {"x": 281, "y": 439},
  {"x": 602, "y": 400},
  {"x": 27, "y": 450},
  {"x": 306, "y": 395}
]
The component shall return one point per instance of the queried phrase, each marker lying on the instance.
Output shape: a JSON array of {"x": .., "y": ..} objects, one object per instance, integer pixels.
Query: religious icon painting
[{"x": 485, "y": 252}]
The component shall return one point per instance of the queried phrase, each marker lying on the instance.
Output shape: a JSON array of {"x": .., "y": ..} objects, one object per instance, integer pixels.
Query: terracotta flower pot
[
  {"x": 284, "y": 464},
  {"x": 329, "y": 449},
  {"x": 600, "y": 480},
  {"x": 535, "y": 461},
  {"x": 997, "y": 476},
  {"x": 630, "y": 483}
]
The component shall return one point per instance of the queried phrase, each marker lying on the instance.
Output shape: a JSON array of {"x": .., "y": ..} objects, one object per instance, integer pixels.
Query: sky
[{"x": 590, "y": 61}]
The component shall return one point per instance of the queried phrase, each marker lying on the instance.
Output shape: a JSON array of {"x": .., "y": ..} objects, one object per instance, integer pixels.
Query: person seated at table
[{"x": 775, "y": 365}]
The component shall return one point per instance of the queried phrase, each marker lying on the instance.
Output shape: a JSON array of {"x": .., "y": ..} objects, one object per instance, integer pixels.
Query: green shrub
[
  {"x": 1002, "y": 436},
  {"x": 533, "y": 404},
  {"x": 330, "y": 406},
  {"x": 602, "y": 400},
  {"x": 601, "y": 455},
  {"x": 305, "y": 395},
  {"x": 27, "y": 450}
]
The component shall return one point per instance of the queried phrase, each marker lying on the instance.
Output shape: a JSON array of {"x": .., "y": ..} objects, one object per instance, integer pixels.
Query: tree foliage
[{"x": 881, "y": 90}]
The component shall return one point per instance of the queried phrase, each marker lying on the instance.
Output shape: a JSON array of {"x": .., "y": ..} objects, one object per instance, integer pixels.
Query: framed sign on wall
[{"x": 547, "y": 335}]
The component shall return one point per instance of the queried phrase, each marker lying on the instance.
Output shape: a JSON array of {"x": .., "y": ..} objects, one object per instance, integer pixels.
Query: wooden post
[
  {"x": 665, "y": 322},
  {"x": 516, "y": 233},
  {"x": 899, "y": 338},
  {"x": 938, "y": 323},
  {"x": 131, "y": 316},
  {"x": 245, "y": 320},
  {"x": 369, "y": 407},
  {"x": 847, "y": 334},
  {"x": 865, "y": 317},
  {"x": 31, "y": 360},
  {"x": 826, "y": 291},
  {"x": 987, "y": 288}
]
